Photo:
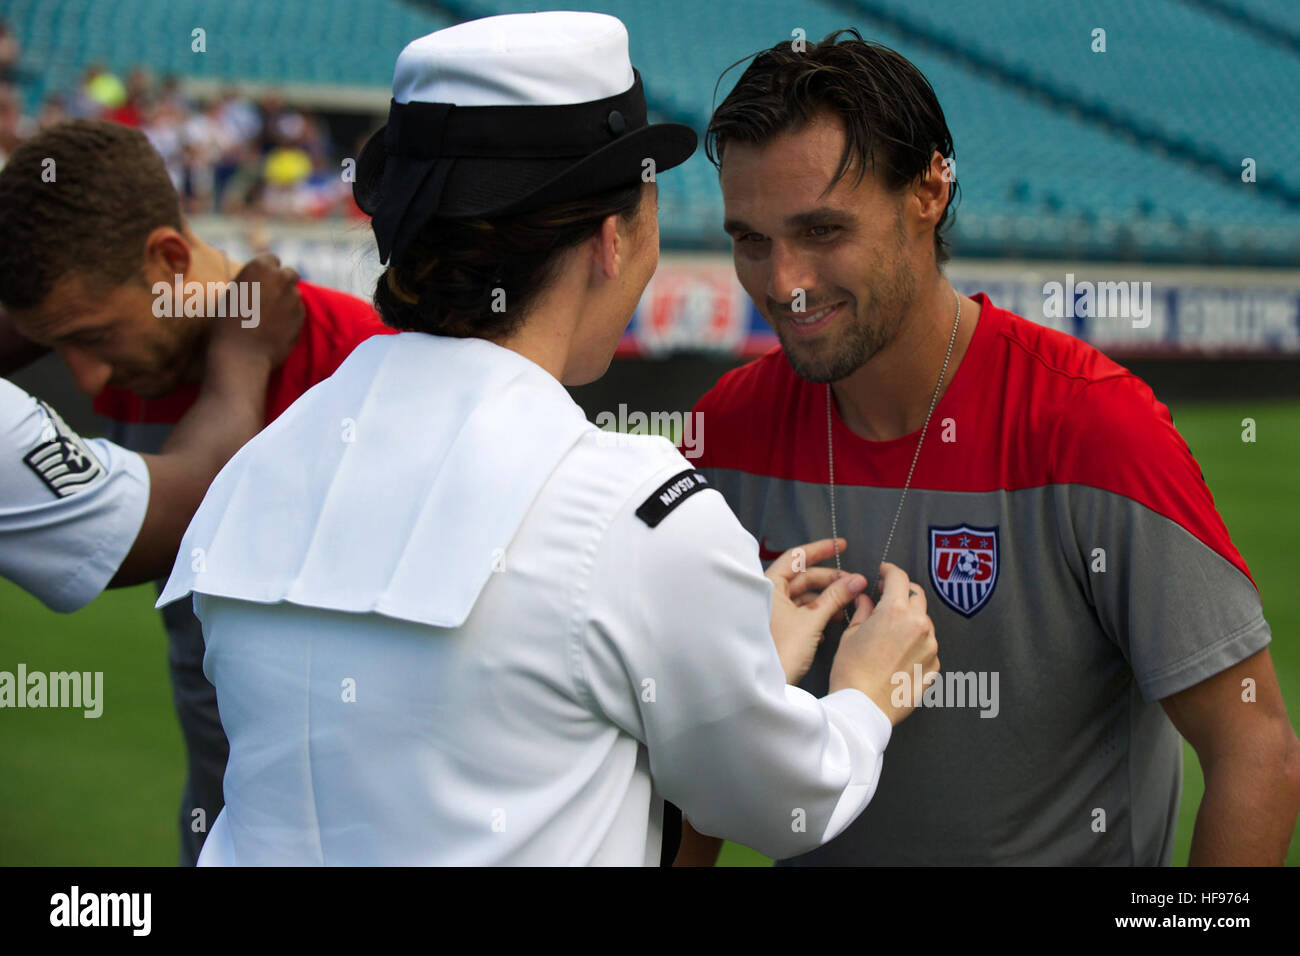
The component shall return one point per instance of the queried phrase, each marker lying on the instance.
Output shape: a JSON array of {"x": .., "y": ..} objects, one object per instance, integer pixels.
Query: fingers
[
  {"x": 836, "y": 596},
  {"x": 894, "y": 583},
  {"x": 814, "y": 579},
  {"x": 814, "y": 552},
  {"x": 861, "y": 601},
  {"x": 800, "y": 586},
  {"x": 931, "y": 664},
  {"x": 863, "y": 607},
  {"x": 915, "y": 594},
  {"x": 264, "y": 263},
  {"x": 265, "y": 267},
  {"x": 262, "y": 270}
]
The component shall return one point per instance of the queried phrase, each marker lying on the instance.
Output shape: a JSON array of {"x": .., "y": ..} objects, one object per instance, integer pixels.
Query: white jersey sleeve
[
  {"x": 677, "y": 652},
  {"x": 70, "y": 509}
]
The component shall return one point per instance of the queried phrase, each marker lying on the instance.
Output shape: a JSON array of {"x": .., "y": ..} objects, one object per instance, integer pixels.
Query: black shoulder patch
[
  {"x": 62, "y": 459},
  {"x": 670, "y": 494}
]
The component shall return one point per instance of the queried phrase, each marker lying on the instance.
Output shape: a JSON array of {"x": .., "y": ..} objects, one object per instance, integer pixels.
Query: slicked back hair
[{"x": 891, "y": 116}]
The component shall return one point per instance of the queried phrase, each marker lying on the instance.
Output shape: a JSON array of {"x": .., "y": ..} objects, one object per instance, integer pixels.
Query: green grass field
[{"x": 105, "y": 791}]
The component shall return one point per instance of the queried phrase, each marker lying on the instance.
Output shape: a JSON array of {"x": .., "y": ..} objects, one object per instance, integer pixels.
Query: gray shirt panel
[{"x": 1076, "y": 762}]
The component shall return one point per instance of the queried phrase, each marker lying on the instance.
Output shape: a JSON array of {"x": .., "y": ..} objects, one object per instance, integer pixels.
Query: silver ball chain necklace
[{"x": 830, "y": 448}]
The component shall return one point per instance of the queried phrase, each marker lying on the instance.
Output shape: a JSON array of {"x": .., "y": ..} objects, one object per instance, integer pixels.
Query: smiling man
[
  {"x": 1074, "y": 557},
  {"x": 89, "y": 225}
]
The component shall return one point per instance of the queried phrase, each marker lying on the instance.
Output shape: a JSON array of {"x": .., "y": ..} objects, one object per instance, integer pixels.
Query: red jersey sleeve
[{"x": 1118, "y": 437}]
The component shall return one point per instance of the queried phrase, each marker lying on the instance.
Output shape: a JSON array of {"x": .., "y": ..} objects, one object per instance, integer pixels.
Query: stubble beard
[
  {"x": 861, "y": 338},
  {"x": 177, "y": 358}
]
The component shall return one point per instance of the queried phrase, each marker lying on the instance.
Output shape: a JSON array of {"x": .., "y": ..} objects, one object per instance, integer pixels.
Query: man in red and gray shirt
[
  {"x": 1089, "y": 604},
  {"x": 97, "y": 264}
]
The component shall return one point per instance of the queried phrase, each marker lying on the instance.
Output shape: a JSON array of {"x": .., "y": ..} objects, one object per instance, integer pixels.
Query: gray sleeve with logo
[{"x": 70, "y": 509}]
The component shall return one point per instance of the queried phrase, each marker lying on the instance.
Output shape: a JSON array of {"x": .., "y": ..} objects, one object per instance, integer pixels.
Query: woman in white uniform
[{"x": 451, "y": 622}]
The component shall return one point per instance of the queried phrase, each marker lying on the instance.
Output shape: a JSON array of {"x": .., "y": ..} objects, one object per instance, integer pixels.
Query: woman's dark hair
[
  {"x": 891, "y": 116},
  {"x": 481, "y": 277}
]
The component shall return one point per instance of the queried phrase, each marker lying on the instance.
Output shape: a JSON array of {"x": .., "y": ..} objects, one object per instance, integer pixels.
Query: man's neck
[
  {"x": 208, "y": 264},
  {"x": 211, "y": 264},
  {"x": 889, "y": 396}
]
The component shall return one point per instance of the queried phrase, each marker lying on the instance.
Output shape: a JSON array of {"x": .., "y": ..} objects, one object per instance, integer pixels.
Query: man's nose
[
  {"x": 90, "y": 374},
  {"x": 791, "y": 275}
]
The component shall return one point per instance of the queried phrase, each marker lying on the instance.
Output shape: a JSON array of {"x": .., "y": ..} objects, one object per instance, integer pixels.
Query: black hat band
[{"x": 443, "y": 130}]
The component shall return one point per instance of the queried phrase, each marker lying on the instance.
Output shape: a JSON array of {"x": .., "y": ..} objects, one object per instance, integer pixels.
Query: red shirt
[
  {"x": 333, "y": 325},
  {"x": 1034, "y": 407},
  {"x": 1072, "y": 559},
  {"x": 128, "y": 114}
]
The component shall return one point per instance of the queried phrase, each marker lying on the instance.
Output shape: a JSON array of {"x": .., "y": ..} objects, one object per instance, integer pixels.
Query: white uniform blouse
[
  {"x": 70, "y": 508},
  {"x": 440, "y": 633}
]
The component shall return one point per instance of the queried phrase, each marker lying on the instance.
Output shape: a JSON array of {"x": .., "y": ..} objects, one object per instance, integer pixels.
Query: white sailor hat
[{"x": 506, "y": 114}]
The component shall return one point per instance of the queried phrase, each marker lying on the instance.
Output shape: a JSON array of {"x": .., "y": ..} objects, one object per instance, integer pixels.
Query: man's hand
[
  {"x": 269, "y": 334},
  {"x": 230, "y": 409},
  {"x": 891, "y": 639},
  {"x": 799, "y": 613}
]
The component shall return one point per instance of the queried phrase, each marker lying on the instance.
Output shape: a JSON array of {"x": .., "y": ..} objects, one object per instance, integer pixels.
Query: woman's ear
[{"x": 608, "y": 246}]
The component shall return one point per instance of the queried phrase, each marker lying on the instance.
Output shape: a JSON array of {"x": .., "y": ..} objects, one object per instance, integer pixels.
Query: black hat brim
[{"x": 478, "y": 187}]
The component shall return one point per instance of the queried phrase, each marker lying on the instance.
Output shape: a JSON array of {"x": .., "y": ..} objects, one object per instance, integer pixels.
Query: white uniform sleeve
[
  {"x": 677, "y": 652},
  {"x": 69, "y": 509}
]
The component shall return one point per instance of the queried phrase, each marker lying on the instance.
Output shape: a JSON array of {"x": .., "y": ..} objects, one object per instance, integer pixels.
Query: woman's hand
[{"x": 799, "y": 612}]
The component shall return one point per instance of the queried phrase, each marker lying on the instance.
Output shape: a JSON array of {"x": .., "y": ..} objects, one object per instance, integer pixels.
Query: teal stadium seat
[{"x": 1060, "y": 151}]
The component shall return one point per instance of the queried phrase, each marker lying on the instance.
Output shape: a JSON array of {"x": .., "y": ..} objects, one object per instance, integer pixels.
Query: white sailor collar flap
[{"x": 391, "y": 487}]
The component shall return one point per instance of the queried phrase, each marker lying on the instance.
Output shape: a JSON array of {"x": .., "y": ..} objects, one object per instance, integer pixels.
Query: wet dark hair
[
  {"x": 109, "y": 191},
  {"x": 482, "y": 277},
  {"x": 891, "y": 116}
]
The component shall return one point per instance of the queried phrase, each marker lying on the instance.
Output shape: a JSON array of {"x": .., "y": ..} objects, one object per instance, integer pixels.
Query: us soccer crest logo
[{"x": 964, "y": 566}]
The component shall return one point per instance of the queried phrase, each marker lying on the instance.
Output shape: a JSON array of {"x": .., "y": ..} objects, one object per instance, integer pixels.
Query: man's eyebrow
[
  {"x": 84, "y": 332},
  {"x": 813, "y": 217},
  {"x": 820, "y": 216}
]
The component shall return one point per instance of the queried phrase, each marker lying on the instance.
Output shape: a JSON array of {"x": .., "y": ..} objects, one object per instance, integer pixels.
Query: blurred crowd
[{"x": 232, "y": 155}]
